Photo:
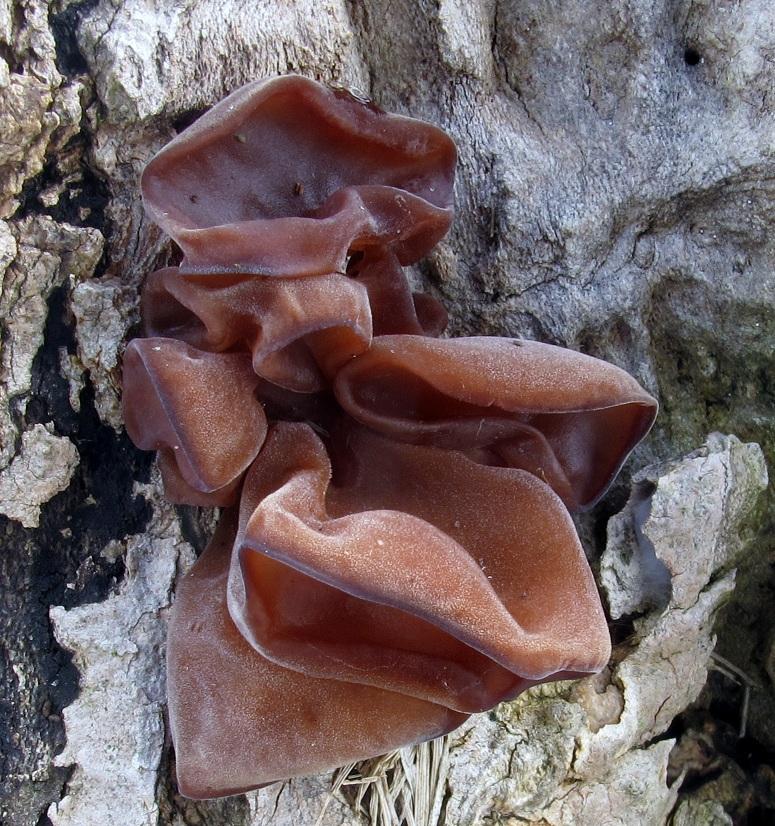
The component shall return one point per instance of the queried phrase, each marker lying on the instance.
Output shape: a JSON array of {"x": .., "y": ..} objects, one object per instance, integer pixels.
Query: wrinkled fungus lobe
[{"x": 396, "y": 550}]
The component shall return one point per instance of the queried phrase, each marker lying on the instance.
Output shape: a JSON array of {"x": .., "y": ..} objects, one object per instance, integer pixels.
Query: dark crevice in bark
[
  {"x": 84, "y": 194},
  {"x": 58, "y": 563},
  {"x": 64, "y": 26},
  {"x": 197, "y": 526},
  {"x": 81, "y": 205}
]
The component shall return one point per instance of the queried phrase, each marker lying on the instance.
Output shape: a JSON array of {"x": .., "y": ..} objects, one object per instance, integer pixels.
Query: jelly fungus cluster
[{"x": 395, "y": 550}]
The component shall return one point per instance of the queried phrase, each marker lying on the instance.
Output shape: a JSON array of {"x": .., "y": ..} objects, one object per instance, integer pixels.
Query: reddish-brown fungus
[
  {"x": 394, "y": 308},
  {"x": 298, "y": 329},
  {"x": 199, "y": 409},
  {"x": 343, "y": 582},
  {"x": 239, "y": 721},
  {"x": 401, "y": 555},
  {"x": 288, "y": 177},
  {"x": 567, "y": 418}
]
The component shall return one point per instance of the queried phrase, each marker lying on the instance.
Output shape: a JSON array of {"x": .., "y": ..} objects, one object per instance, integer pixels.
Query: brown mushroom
[
  {"x": 239, "y": 721},
  {"x": 337, "y": 590},
  {"x": 401, "y": 555},
  {"x": 199, "y": 410},
  {"x": 298, "y": 330},
  {"x": 568, "y": 418},
  {"x": 394, "y": 308},
  {"x": 343, "y": 582},
  {"x": 287, "y": 177}
]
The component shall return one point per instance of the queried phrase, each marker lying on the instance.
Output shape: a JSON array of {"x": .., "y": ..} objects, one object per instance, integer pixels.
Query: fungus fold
[
  {"x": 567, "y": 418},
  {"x": 288, "y": 177},
  {"x": 396, "y": 550}
]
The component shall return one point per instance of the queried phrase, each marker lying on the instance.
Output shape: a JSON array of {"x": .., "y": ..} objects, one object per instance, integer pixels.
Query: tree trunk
[{"x": 614, "y": 195}]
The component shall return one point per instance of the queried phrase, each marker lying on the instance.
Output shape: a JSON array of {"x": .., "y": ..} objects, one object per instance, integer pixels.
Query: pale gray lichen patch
[
  {"x": 694, "y": 522},
  {"x": 115, "y": 729},
  {"x": 39, "y": 255},
  {"x": 104, "y": 310},
  {"x": 514, "y": 758},
  {"x": 39, "y": 111},
  {"x": 42, "y": 468},
  {"x": 632, "y": 792},
  {"x": 715, "y": 487},
  {"x": 701, "y": 813},
  {"x": 662, "y": 673},
  {"x": 73, "y": 372},
  {"x": 301, "y": 800},
  {"x": 26, "y": 123}
]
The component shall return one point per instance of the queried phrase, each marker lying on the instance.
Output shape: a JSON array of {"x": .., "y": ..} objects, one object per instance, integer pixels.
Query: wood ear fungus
[{"x": 396, "y": 550}]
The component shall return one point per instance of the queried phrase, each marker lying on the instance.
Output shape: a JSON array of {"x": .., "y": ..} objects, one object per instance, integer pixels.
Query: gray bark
[{"x": 614, "y": 195}]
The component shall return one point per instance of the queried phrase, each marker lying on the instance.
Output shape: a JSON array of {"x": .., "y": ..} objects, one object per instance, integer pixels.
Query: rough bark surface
[{"x": 614, "y": 195}]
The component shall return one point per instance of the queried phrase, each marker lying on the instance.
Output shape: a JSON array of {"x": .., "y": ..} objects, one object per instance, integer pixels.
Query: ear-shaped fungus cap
[
  {"x": 343, "y": 582},
  {"x": 199, "y": 410},
  {"x": 287, "y": 177},
  {"x": 299, "y": 330},
  {"x": 239, "y": 721},
  {"x": 358, "y": 645},
  {"x": 568, "y": 418}
]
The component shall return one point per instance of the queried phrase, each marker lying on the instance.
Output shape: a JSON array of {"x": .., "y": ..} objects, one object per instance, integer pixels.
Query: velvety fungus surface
[{"x": 396, "y": 550}]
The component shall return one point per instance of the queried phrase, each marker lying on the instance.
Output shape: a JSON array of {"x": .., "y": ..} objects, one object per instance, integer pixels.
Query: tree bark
[{"x": 614, "y": 195}]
